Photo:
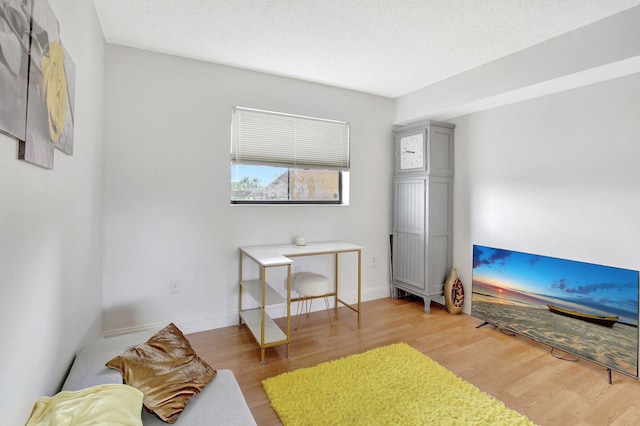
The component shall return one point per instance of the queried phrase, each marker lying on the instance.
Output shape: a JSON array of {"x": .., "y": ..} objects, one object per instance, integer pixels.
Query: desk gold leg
[
  {"x": 240, "y": 291},
  {"x": 359, "y": 284},
  {"x": 288, "y": 308},
  {"x": 336, "y": 281}
]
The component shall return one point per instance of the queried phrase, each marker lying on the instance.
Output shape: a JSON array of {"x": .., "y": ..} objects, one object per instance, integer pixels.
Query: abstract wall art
[
  {"x": 37, "y": 73},
  {"x": 15, "y": 23}
]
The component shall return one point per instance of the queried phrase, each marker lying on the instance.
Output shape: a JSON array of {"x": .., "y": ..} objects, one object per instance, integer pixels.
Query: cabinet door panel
[
  {"x": 409, "y": 267},
  {"x": 439, "y": 233},
  {"x": 439, "y": 263},
  {"x": 409, "y": 232},
  {"x": 439, "y": 202},
  {"x": 410, "y": 205}
]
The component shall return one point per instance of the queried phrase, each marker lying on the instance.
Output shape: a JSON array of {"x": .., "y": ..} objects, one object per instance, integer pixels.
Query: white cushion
[
  {"x": 310, "y": 284},
  {"x": 220, "y": 403},
  {"x": 89, "y": 369}
]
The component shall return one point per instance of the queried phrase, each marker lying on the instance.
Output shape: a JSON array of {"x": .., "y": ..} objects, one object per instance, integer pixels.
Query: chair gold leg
[
  {"x": 326, "y": 303},
  {"x": 299, "y": 311},
  {"x": 310, "y": 304},
  {"x": 305, "y": 304}
]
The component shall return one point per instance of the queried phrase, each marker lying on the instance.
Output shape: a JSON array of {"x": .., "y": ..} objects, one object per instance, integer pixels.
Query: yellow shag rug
[{"x": 390, "y": 385}]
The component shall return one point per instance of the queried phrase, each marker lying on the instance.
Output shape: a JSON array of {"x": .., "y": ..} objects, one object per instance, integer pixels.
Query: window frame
[
  {"x": 339, "y": 201},
  {"x": 335, "y": 141}
]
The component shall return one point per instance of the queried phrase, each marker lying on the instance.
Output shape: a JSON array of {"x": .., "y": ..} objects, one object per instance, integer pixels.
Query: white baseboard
[
  {"x": 189, "y": 326},
  {"x": 129, "y": 330},
  {"x": 186, "y": 326}
]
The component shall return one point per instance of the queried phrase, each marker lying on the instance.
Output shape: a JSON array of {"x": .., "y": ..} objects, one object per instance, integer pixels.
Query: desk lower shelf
[
  {"x": 254, "y": 288},
  {"x": 273, "y": 334}
]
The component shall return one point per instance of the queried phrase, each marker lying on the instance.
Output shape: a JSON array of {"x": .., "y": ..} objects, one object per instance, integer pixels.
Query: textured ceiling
[{"x": 384, "y": 47}]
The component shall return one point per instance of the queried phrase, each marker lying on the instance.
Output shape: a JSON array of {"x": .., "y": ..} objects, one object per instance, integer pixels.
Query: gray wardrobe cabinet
[{"x": 422, "y": 210}]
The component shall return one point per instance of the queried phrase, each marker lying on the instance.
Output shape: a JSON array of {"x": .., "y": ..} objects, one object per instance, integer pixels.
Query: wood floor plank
[{"x": 519, "y": 371}]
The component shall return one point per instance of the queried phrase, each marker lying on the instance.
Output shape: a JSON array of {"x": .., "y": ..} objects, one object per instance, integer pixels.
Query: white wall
[
  {"x": 51, "y": 237},
  {"x": 555, "y": 176},
  {"x": 603, "y": 50},
  {"x": 167, "y": 187}
]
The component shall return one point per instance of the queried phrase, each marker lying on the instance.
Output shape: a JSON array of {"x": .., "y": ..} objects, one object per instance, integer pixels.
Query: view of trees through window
[{"x": 268, "y": 184}]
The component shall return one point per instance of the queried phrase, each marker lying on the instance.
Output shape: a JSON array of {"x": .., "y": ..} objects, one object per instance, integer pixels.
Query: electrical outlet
[
  {"x": 174, "y": 286},
  {"x": 373, "y": 262}
]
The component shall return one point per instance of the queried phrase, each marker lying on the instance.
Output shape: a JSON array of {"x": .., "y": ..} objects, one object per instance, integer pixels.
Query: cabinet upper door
[
  {"x": 425, "y": 148},
  {"x": 411, "y": 152},
  {"x": 440, "y": 151}
]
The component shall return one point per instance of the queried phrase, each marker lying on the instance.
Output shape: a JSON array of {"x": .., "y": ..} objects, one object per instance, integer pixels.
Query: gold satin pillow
[{"x": 167, "y": 371}]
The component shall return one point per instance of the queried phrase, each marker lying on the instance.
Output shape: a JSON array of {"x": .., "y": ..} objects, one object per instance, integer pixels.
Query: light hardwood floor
[{"x": 520, "y": 372}]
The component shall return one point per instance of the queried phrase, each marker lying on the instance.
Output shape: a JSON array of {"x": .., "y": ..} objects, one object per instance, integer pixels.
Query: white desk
[{"x": 265, "y": 331}]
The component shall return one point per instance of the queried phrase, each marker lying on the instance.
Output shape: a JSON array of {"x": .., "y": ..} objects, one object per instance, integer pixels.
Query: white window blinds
[{"x": 272, "y": 138}]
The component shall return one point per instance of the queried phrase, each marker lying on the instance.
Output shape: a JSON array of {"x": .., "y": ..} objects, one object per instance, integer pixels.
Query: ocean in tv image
[{"x": 581, "y": 308}]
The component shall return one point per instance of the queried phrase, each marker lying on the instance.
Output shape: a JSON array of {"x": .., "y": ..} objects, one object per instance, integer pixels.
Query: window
[{"x": 279, "y": 158}]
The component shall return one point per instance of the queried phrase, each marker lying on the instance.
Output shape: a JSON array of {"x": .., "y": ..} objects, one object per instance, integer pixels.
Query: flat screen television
[{"x": 584, "y": 309}]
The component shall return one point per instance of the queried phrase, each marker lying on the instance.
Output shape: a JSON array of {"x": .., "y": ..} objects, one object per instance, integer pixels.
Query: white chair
[{"x": 310, "y": 286}]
